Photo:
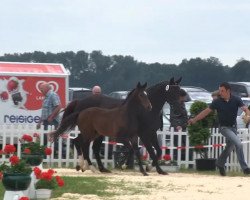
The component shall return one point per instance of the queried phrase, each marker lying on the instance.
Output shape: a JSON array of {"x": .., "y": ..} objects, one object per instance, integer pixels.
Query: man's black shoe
[
  {"x": 221, "y": 170},
  {"x": 246, "y": 171}
]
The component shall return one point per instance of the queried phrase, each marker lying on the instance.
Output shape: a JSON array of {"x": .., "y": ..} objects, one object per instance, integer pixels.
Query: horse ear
[
  {"x": 138, "y": 85},
  {"x": 145, "y": 85},
  {"x": 178, "y": 81},
  {"x": 171, "y": 82}
]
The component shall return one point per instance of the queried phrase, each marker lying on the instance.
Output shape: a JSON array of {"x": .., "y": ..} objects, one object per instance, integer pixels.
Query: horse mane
[
  {"x": 128, "y": 96},
  {"x": 158, "y": 85}
]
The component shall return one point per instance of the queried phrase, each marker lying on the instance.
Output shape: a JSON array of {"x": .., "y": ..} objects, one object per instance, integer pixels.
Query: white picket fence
[{"x": 9, "y": 134}]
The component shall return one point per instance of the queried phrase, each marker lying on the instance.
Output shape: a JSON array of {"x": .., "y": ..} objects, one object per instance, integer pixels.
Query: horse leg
[
  {"x": 130, "y": 159},
  {"x": 126, "y": 153},
  {"x": 136, "y": 150},
  {"x": 77, "y": 142},
  {"x": 151, "y": 152},
  {"x": 87, "y": 163},
  {"x": 96, "y": 148},
  {"x": 155, "y": 144}
]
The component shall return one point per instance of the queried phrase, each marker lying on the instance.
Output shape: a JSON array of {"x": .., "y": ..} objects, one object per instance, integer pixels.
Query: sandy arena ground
[{"x": 176, "y": 186}]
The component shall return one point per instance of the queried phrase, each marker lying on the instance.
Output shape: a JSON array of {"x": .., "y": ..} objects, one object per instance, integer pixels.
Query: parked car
[
  {"x": 78, "y": 93},
  {"x": 119, "y": 94},
  {"x": 197, "y": 94},
  {"x": 241, "y": 89}
]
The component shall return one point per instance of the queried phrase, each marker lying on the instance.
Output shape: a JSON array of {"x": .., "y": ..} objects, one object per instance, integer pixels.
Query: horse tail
[
  {"x": 69, "y": 109},
  {"x": 67, "y": 124}
]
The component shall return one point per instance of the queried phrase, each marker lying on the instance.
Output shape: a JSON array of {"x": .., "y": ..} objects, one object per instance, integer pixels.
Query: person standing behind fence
[
  {"x": 50, "y": 112},
  {"x": 179, "y": 121},
  {"x": 227, "y": 106},
  {"x": 50, "y": 108},
  {"x": 179, "y": 118}
]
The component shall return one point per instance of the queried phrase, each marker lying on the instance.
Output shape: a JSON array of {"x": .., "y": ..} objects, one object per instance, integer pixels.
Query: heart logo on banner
[{"x": 53, "y": 84}]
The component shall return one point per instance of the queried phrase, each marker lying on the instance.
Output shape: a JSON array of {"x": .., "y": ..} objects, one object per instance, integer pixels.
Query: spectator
[
  {"x": 50, "y": 109},
  {"x": 96, "y": 90},
  {"x": 227, "y": 106},
  {"x": 179, "y": 121}
]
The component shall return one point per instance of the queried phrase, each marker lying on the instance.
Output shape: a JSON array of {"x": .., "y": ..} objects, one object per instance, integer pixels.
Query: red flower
[
  {"x": 51, "y": 171},
  {"x": 58, "y": 177},
  {"x": 46, "y": 176},
  {"x": 27, "y": 138},
  {"x": 24, "y": 198},
  {"x": 167, "y": 157},
  {"x": 14, "y": 160},
  {"x": 48, "y": 151},
  {"x": 1, "y": 175},
  {"x": 9, "y": 148},
  {"x": 60, "y": 182},
  {"x": 37, "y": 172},
  {"x": 27, "y": 151}
]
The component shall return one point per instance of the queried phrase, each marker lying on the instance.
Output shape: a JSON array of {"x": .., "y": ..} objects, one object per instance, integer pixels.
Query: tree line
[{"x": 119, "y": 72}]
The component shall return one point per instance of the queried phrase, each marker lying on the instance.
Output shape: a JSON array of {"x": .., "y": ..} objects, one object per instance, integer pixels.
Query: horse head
[
  {"x": 139, "y": 96},
  {"x": 172, "y": 91}
]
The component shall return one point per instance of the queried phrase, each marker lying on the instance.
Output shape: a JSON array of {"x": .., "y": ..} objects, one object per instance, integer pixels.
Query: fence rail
[{"x": 183, "y": 153}]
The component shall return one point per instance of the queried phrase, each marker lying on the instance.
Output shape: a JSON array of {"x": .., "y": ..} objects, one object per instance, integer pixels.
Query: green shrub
[{"x": 199, "y": 132}]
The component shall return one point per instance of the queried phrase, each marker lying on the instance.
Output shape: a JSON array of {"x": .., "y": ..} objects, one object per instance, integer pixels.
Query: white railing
[{"x": 9, "y": 134}]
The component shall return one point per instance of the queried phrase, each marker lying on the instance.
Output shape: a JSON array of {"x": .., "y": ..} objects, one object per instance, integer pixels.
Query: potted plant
[
  {"x": 32, "y": 151},
  {"x": 47, "y": 181},
  {"x": 199, "y": 133},
  {"x": 15, "y": 174}
]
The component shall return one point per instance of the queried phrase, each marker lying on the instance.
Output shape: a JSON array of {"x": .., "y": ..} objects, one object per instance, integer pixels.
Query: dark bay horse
[
  {"x": 150, "y": 122},
  {"x": 119, "y": 122}
]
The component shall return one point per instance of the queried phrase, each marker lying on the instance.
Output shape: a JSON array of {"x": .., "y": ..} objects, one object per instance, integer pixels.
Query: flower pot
[
  {"x": 203, "y": 164},
  {"x": 33, "y": 159},
  {"x": 166, "y": 168},
  {"x": 43, "y": 193},
  {"x": 16, "y": 181},
  {"x": 170, "y": 168}
]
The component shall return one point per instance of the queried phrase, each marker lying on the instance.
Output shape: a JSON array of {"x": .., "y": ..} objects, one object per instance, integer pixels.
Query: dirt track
[{"x": 176, "y": 186}]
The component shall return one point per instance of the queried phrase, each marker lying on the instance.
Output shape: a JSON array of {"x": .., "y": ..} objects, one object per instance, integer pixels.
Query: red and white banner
[{"x": 21, "y": 100}]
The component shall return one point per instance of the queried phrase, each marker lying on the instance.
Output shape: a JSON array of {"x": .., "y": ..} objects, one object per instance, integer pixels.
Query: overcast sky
[{"x": 164, "y": 31}]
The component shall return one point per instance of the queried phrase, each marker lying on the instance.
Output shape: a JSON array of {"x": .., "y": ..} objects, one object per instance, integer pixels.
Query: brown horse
[
  {"x": 119, "y": 122},
  {"x": 150, "y": 122}
]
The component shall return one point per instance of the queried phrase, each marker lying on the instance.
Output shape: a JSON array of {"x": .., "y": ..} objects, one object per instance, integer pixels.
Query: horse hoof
[
  {"x": 163, "y": 173},
  {"x": 124, "y": 166},
  {"x": 105, "y": 170},
  {"x": 92, "y": 168},
  {"x": 78, "y": 168},
  {"x": 149, "y": 168},
  {"x": 145, "y": 174}
]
